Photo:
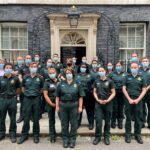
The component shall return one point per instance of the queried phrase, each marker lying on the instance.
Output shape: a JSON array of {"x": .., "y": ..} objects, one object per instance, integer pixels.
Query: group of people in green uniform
[{"x": 108, "y": 94}]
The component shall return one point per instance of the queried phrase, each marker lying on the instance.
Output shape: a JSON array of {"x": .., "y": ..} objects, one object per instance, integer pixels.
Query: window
[
  {"x": 13, "y": 40},
  {"x": 132, "y": 38}
]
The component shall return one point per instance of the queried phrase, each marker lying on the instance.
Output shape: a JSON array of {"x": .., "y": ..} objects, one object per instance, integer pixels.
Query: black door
[{"x": 77, "y": 52}]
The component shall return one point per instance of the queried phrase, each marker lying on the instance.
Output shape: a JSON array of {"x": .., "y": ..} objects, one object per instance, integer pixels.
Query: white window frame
[
  {"x": 128, "y": 49},
  {"x": 13, "y": 24}
]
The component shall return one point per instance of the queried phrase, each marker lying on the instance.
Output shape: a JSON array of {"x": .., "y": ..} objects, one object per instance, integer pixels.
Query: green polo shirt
[
  {"x": 51, "y": 86},
  {"x": 32, "y": 86},
  {"x": 69, "y": 92},
  {"x": 8, "y": 86},
  {"x": 134, "y": 85},
  {"x": 103, "y": 88},
  {"x": 118, "y": 79},
  {"x": 24, "y": 70}
]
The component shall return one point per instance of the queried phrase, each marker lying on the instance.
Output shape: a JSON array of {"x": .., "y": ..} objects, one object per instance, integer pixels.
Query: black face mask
[{"x": 69, "y": 64}]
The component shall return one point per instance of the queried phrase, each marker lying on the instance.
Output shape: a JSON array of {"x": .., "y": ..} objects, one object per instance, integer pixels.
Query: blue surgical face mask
[
  {"x": 8, "y": 71},
  {"x": 134, "y": 71},
  {"x": 69, "y": 76},
  {"x": 118, "y": 68},
  {"x": 83, "y": 70},
  {"x": 145, "y": 64},
  {"x": 94, "y": 66},
  {"x": 109, "y": 68},
  {"x": 52, "y": 76},
  {"x": 84, "y": 60},
  {"x": 55, "y": 59},
  {"x": 20, "y": 62},
  {"x": 102, "y": 74},
  {"x": 36, "y": 59},
  {"x": 74, "y": 61},
  {"x": 134, "y": 59},
  {"x": 1, "y": 66},
  {"x": 28, "y": 61},
  {"x": 33, "y": 70},
  {"x": 49, "y": 64}
]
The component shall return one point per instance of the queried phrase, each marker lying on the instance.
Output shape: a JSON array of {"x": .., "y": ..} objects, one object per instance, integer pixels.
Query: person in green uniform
[
  {"x": 94, "y": 69},
  {"x": 49, "y": 91},
  {"x": 22, "y": 71},
  {"x": 9, "y": 88},
  {"x": 39, "y": 63},
  {"x": 104, "y": 92},
  {"x": 56, "y": 64},
  {"x": 134, "y": 89},
  {"x": 32, "y": 85},
  {"x": 118, "y": 76},
  {"x": 145, "y": 72},
  {"x": 109, "y": 68},
  {"x": 69, "y": 103},
  {"x": 86, "y": 80}
]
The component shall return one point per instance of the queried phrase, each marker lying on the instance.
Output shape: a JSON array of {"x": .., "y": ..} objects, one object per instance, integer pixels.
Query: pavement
[{"x": 82, "y": 131}]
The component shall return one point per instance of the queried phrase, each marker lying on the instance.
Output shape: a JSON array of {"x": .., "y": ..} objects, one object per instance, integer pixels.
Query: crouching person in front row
[
  {"x": 32, "y": 85},
  {"x": 104, "y": 92},
  {"x": 9, "y": 88}
]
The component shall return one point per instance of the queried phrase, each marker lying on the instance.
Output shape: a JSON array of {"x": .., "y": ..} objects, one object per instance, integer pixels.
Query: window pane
[
  {"x": 14, "y": 31},
  {"x": 139, "y": 42},
  {"x": 5, "y": 31},
  {"x": 5, "y": 43},
  {"x": 140, "y": 30},
  {"x": 131, "y": 31},
  {"x": 131, "y": 42},
  {"x": 14, "y": 42},
  {"x": 22, "y": 43},
  {"x": 123, "y": 42},
  {"x": 23, "y": 32},
  {"x": 123, "y": 31}
]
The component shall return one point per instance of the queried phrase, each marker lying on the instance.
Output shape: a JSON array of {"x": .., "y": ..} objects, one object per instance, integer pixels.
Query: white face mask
[{"x": 55, "y": 59}]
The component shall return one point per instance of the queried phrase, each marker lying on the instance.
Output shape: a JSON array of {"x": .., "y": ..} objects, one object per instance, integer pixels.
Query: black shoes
[
  {"x": 113, "y": 125},
  {"x": 91, "y": 126},
  {"x": 96, "y": 141},
  {"x": 106, "y": 141},
  {"x": 139, "y": 139},
  {"x": 72, "y": 144},
  {"x": 120, "y": 125},
  {"x": 2, "y": 137},
  {"x": 128, "y": 138},
  {"x": 53, "y": 140},
  {"x": 22, "y": 139},
  {"x": 13, "y": 138},
  {"x": 20, "y": 119},
  {"x": 36, "y": 139},
  {"x": 65, "y": 144}
]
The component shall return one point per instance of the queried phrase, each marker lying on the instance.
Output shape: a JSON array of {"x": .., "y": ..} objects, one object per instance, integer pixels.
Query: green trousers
[
  {"x": 31, "y": 107},
  {"x": 103, "y": 112},
  {"x": 51, "y": 116},
  {"x": 68, "y": 115},
  {"x": 10, "y": 106},
  {"x": 137, "y": 111}
]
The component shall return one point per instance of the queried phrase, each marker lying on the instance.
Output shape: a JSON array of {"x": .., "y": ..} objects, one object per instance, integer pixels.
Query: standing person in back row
[{"x": 134, "y": 89}]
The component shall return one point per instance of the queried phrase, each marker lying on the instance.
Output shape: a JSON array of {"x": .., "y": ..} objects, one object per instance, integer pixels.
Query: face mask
[
  {"x": 49, "y": 64},
  {"x": 20, "y": 62},
  {"x": 33, "y": 70},
  {"x": 101, "y": 74},
  {"x": 83, "y": 70},
  {"x": 1, "y": 66},
  {"x": 55, "y": 58},
  {"x": 134, "y": 59},
  {"x": 109, "y": 68},
  {"x": 118, "y": 68},
  {"x": 84, "y": 61},
  {"x": 28, "y": 61},
  {"x": 8, "y": 71},
  {"x": 134, "y": 71},
  {"x": 145, "y": 64},
  {"x": 94, "y": 66},
  {"x": 69, "y": 76},
  {"x": 52, "y": 76},
  {"x": 36, "y": 59},
  {"x": 74, "y": 61}
]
